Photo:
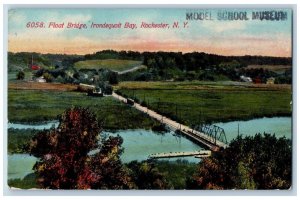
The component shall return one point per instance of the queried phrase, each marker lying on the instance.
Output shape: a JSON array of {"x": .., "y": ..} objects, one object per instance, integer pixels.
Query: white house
[
  {"x": 245, "y": 79},
  {"x": 40, "y": 79}
]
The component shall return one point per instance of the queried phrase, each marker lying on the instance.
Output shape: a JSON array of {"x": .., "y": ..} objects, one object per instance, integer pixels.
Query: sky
[{"x": 230, "y": 37}]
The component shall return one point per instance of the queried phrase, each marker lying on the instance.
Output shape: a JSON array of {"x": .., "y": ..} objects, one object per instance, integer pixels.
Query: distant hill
[
  {"x": 22, "y": 60},
  {"x": 158, "y": 66}
]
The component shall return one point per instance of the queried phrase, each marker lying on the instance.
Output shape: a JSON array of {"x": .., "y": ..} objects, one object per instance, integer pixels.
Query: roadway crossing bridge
[{"x": 212, "y": 137}]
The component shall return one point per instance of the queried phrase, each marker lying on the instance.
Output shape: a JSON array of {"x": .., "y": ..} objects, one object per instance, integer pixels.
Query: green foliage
[
  {"x": 20, "y": 75},
  {"x": 206, "y": 66},
  {"x": 111, "y": 54},
  {"x": 21, "y": 60},
  {"x": 234, "y": 64},
  {"x": 257, "y": 162},
  {"x": 105, "y": 87},
  {"x": 48, "y": 77},
  {"x": 244, "y": 179},
  {"x": 113, "y": 79},
  {"x": 177, "y": 173},
  {"x": 59, "y": 79},
  {"x": 19, "y": 138},
  {"x": 28, "y": 182},
  {"x": 146, "y": 176},
  {"x": 64, "y": 160},
  {"x": 160, "y": 65}
]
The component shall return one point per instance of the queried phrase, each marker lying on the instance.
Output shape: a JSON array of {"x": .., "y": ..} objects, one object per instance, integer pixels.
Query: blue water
[
  {"x": 139, "y": 144},
  {"x": 47, "y": 125},
  {"x": 19, "y": 165},
  {"x": 280, "y": 126}
]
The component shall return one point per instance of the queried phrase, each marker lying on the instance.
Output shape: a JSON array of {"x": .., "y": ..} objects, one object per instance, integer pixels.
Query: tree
[
  {"x": 244, "y": 179},
  {"x": 113, "y": 78},
  {"x": 20, "y": 75},
  {"x": 257, "y": 162},
  {"x": 64, "y": 159},
  {"x": 48, "y": 77},
  {"x": 209, "y": 175}
]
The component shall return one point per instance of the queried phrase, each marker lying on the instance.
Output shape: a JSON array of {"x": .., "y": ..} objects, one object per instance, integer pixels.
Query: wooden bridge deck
[
  {"x": 198, "y": 154},
  {"x": 200, "y": 137}
]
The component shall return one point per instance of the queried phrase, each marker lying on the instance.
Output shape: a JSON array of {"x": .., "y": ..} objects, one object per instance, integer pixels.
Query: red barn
[
  {"x": 257, "y": 80},
  {"x": 35, "y": 67}
]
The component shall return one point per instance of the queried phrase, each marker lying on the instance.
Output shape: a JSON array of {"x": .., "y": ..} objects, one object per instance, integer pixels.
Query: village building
[
  {"x": 40, "y": 79},
  {"x": 270, "y": 80},
  {"x": 246, "y": 79}
]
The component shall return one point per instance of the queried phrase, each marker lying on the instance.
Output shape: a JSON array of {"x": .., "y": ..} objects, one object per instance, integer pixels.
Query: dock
[{"x": 197, "y": 154}]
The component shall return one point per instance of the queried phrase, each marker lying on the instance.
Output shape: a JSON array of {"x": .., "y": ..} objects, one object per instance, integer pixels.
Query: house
[
  {"x": 270, "y": 80},
  {"x": 40, "y": 79},
  {"x": 245, "y": 79},
  {"x": 97, "y": 92}
]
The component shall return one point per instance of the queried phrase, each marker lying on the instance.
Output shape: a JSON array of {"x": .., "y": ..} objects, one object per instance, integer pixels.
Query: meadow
[
  {"x": 38, "y": 106},
  {"x": 194, "y": 102},
  {"x": 112, "y": 64}
]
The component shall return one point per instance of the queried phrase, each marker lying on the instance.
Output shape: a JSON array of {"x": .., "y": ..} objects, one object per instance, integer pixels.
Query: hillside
[
  {"x": 21, "y": 61},
  {"x": 279, "y": 69},
  {"x": 118, "y": 65},
  {"x": 155, "y": 66}
]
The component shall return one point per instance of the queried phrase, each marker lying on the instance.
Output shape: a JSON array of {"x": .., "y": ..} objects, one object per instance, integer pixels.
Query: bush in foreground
[
  {"x": 258, "y": 162},
  {"x": 65, "y": 162}
]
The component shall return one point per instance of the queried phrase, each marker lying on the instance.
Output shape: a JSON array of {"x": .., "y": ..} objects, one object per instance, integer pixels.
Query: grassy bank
[
  {"x": 195, "y": 102},
  {"x": 33, "y": 106},
  {"x": 18, "y": 138}
]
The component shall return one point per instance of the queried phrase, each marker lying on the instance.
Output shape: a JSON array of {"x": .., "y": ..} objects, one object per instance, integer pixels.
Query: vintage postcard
[{"x": 184, "y": 98}]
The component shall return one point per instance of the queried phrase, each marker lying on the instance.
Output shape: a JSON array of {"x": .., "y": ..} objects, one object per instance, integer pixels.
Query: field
[
  {"x": 188, "y": 102},
  {"x": 195, "y": 102},
  {"x": 12, "y": 76},
  {"x": 112, "y": 64},
  {"x": 37, "y": 106},
  {"x": 22, "y": 85},
  {"x": 274, "y": 68}
]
